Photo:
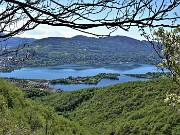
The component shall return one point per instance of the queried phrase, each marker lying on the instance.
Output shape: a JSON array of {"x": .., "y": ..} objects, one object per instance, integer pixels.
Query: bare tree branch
[{"x": 19, "y": 16}]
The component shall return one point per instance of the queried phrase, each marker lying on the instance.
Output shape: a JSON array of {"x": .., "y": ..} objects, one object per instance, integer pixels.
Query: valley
[
  {"x": 87, "y": 86},
  {"x": 131, "y": 107},
  {"x": 89, "y": 67}
]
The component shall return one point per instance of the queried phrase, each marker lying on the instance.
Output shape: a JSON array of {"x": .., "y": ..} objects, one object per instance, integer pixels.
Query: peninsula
[{"x": 86, "y": 80}]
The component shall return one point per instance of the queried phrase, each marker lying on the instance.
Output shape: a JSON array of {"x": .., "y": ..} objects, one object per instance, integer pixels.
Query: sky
[{"x": 43, "y": 31}]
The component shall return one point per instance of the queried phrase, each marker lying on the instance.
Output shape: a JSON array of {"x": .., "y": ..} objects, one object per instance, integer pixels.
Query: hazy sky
[{"x": 43, "y": 31}]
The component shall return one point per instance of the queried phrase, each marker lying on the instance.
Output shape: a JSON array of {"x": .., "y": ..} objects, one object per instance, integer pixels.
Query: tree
[
  {"x": 166, "y": 43},
  {"x": 172, "y": 100},
  {"x": 170, "y": 50}
]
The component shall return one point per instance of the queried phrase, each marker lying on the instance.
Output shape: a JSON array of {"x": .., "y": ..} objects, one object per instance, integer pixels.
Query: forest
[
  {"x": 127, "y": 108},
  {"x": 20, "y": 115}
]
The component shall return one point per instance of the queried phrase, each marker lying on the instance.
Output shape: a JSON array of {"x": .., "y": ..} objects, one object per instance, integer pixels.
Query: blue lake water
[{"x": 64, "y": 71}]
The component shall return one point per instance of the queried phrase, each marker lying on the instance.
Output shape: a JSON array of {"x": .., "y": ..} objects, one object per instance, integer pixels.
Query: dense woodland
[
  {"x": 127, "y": 108},
  {"x": 23, "y": 116}
]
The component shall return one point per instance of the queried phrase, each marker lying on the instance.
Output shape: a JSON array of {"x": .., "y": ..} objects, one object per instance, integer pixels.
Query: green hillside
[
  {"x": 88, "y": 50},
  {"x": 127, "y": 108},
  {"x": 22, "y": 116}
]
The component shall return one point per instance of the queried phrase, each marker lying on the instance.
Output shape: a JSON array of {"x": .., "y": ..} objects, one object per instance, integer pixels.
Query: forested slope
[
  {"x": 127, "y": 108},
  {"x": 22, "y": 116}
]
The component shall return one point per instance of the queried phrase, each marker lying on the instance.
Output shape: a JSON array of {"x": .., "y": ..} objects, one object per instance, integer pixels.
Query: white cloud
[
  {"x": 44, "y": 31},
  {"x": 41, "y": 31}
]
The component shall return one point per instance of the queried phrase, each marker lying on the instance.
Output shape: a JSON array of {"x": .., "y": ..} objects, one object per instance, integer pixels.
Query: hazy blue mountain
[{"x": 15, "y": 41}]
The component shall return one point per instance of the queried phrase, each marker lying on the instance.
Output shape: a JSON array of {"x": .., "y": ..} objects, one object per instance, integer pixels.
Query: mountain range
[
  {"x": 15, "y": 41},
  {"x": 90, "y": 50},
  {"x": 84, "y": 50}
]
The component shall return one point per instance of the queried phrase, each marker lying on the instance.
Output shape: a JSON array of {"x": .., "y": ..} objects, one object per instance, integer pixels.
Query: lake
[{"x": 74, "y": 70}]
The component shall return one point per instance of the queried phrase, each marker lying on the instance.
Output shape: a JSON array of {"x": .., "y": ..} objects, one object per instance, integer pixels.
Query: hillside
[
  {"x": 15, "y": 41},
  {"x": 89, "y": 50},
  {"x": 22, "y": 116},
  {"x": 127, "y": 108}
]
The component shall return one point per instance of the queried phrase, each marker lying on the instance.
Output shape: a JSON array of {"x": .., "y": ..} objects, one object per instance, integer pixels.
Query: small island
[
  {"x": 85, "y": 80},
  {"x": 150, "y": 75}
]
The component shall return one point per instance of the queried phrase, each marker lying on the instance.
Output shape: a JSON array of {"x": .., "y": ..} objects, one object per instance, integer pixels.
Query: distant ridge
[
  {"x": 90, "y": 50},
  {"x": 15, "y": 41}
]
